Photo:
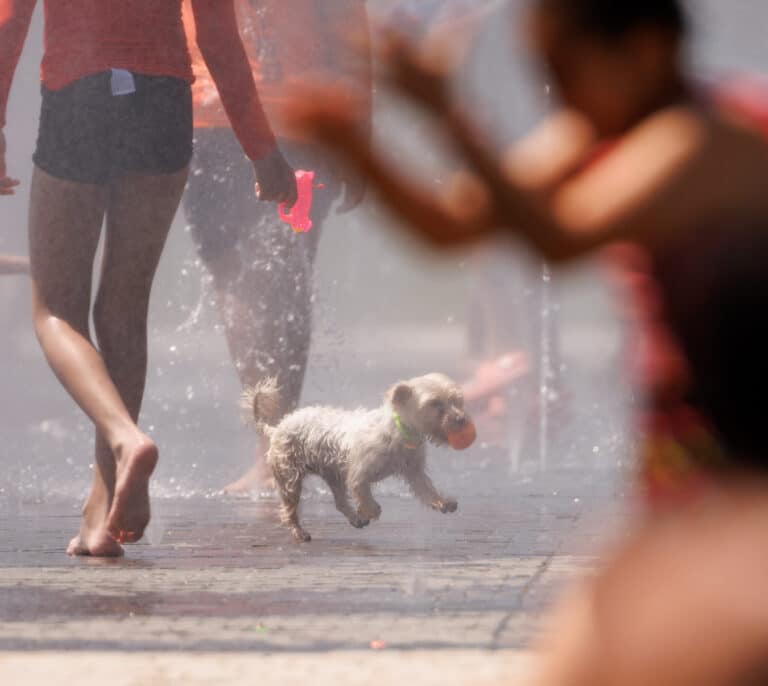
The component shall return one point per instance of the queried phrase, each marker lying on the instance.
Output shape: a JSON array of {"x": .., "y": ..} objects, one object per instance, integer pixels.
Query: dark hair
[
  {"x": 716, "y": 297},
  {"x": 616, "y": 18}
]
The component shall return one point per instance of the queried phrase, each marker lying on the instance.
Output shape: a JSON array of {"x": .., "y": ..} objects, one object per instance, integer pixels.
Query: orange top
[
  {"x": 746, "y": 96},
  {"x": 85, "y": 37},
  {"x": 292, "y": 46}
]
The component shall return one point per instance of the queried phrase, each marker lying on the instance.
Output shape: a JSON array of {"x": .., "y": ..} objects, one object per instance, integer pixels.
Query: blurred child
[{"x": 636, "y": 155}]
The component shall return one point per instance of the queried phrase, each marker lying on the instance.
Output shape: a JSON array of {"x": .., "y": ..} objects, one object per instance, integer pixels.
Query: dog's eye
[{"x": 437, "y": 405}]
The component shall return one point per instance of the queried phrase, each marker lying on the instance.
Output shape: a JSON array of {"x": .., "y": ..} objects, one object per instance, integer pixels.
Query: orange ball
[{"x": 461, "y": 440}]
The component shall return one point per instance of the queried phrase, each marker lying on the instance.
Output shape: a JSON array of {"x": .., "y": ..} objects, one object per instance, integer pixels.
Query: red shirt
[
  {"x": 294, "y": 47},
  {"x": 85, "y": 37},
  {"x": 745, "y": 96}
]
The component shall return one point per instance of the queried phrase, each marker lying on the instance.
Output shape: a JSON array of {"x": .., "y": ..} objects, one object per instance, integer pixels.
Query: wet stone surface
[{"x": 221, "y": 575}]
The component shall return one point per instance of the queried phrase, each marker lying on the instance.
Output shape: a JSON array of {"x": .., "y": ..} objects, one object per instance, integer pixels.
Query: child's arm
[
  {"x": 664, "y": 176},
  {"x": 347, "y": 24},
  {"x": 553, "y": 152},
  {"x": 218, "y": 38},
  {"x": 15, "y": 17}
]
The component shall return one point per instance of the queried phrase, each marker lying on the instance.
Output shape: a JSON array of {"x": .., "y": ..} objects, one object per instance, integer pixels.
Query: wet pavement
[
  {"x": 221, "y": 582},
  {"x": 219, "y": 593}
]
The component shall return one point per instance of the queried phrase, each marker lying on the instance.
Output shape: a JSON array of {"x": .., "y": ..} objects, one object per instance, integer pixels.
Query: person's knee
[
  {"x": 120, "y": 326},
  {"x": 48, "y": 320}
]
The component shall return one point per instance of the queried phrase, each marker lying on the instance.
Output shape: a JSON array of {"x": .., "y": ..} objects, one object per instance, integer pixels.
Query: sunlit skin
[
  {"x": 663, "y": 176},
  {"x": 676, "y": 150},
  {"x": 105, "y": 374},
  {"x": 665, "y": 610},
  {"x": 7, "y": 184}
]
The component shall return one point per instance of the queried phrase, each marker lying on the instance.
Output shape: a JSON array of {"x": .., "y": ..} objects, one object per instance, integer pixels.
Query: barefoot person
[
  {"x": 261, "y": 270},
  {"x": 115, "y": 142}
]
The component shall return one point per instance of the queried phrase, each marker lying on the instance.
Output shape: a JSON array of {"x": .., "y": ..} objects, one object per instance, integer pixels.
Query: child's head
[{"x": 614, "y": 60}]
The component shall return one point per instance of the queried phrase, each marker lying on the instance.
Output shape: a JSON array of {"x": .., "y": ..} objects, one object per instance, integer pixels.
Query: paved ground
[{"x": 220, "y": 594}]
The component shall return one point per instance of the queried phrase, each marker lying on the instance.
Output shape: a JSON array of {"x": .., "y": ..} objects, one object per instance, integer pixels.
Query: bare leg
[
  {"x": 263, "y": 291},
  {"x": 261, "y": 271},
  {"x": 141, "y": 210},
  {"x": 64, "y": 227},
  {"x": 263, "y": 296},
  {"x": 425, "y": 491}
]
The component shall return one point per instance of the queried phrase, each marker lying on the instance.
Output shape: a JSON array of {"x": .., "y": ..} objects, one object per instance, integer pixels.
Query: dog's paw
[
  {"x": 301, "y": 536},
  {"x": 446, "y": 506},
  {"x": 370, "y": 512},
  {"x": 359, "y": 522}
]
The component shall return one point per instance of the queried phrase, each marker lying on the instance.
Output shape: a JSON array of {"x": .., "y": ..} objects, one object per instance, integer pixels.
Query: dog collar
[{"x": 411, "y": 439}]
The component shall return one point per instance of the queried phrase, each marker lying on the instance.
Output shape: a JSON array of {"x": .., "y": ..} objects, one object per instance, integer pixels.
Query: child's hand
[
  {"x": 275, "y": 180},
  {"x": 7, "y": 184}
]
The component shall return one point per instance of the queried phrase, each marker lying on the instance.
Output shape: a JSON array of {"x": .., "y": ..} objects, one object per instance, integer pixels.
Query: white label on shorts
[{"x": 122, "y": 82}]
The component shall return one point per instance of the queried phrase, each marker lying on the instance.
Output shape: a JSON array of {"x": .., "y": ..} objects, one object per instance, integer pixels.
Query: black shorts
[
  {"x": 91, "y": 136},
  {"x": 220, "y": 203}
]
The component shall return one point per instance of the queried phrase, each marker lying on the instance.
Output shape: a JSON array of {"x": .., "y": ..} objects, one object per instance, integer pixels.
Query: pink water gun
[{"x": 299, "y": 216}]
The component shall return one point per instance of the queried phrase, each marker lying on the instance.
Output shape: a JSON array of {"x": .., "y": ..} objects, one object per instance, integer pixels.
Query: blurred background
[{"x": 385, "y": 309}]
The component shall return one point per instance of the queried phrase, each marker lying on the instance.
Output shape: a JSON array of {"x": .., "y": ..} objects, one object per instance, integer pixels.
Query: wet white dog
[{"x": 351, "y": 450}]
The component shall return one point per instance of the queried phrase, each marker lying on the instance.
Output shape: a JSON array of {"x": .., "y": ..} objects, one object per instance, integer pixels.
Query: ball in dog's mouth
[{"x": 462, "y": 438}]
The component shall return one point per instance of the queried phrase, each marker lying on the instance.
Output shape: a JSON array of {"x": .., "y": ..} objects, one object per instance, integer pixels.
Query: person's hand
[
  {"x": 275, "y": 179},
  {"x": 7, "y": 184}
]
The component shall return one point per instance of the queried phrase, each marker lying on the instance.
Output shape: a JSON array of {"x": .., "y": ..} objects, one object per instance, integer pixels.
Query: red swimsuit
[{"x": 681, "y": 451}]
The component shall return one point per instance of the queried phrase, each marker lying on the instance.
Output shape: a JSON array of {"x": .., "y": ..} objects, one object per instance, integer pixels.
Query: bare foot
[
  {"x": 93, "y": 538},
  {"x": 95, "y": 544},
  {"x": 257, "y": 478},
  {"x": 129, "y": 514}
]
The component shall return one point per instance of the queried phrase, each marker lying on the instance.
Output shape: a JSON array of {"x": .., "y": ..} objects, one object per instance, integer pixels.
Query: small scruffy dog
[{"x": 351, "y": 450}]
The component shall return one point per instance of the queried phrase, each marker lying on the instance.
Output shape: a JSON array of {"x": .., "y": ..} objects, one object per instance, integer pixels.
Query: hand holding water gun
[
  {"x": 299, "y": 216},
  {"x": 275, "y": 180}
]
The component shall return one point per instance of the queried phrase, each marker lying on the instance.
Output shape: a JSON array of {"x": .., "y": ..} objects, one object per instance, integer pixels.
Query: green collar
[{"x": 412, "y": 439}]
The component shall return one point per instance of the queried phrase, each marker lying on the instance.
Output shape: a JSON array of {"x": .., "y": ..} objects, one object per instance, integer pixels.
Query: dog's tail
[{"x": 262, "y": 402}]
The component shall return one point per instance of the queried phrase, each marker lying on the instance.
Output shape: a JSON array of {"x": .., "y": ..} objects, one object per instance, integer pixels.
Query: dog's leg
[
  {"x": 339, "y": 490},
  {"x": 290, "y": 496},
  {"x": 425, "y": 491},
  {"x": 367, "y": 507}
]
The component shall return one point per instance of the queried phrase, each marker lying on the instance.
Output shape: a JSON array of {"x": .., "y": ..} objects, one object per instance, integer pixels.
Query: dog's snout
[{"x": 458, "y": 421}]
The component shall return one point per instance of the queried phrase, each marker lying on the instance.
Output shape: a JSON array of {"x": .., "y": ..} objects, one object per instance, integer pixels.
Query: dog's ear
[{"x": 400, "y": 394}]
